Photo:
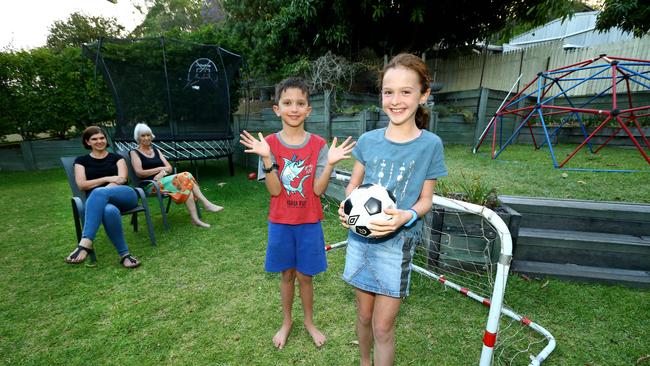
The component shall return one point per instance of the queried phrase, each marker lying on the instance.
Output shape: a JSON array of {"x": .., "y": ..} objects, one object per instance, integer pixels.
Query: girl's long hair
[{"x": 416, "y": 64}]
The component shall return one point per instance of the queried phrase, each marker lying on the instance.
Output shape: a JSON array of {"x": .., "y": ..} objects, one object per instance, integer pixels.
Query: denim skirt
[{"x": 381, "y": 266}]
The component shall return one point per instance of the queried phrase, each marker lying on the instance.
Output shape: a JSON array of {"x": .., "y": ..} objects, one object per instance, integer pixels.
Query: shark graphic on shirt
[{"x": 292, "y": 170}]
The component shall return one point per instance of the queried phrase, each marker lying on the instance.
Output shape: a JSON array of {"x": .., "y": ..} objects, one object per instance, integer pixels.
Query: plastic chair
[
  {"x": 138, "y": 182},
  {"x": 78, "y": 201}
]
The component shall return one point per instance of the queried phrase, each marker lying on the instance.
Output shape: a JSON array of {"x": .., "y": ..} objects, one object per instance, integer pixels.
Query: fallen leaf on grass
[
  {"x": 221, "y": 184},
  {"x": 544, "y": 284},
  {"x": 525, "y": 277},
  {"x": 581, "y": 182},
  {"x": 642, "y": 359}
]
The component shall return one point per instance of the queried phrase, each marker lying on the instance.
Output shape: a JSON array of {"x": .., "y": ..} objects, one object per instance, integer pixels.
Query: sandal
[
  {"x": 134, "y": 262},
  {"x": 90, "y": 253}
]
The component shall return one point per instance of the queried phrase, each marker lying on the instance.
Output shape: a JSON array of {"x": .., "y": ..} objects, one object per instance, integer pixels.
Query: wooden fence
[
  {"x": 499, "y": 71},
  {"x": 457, "y": 117},
  {"x": 39, "y": 154}
]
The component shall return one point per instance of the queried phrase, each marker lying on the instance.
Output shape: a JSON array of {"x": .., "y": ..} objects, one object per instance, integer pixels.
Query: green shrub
[{"x": 469, "y": 189}]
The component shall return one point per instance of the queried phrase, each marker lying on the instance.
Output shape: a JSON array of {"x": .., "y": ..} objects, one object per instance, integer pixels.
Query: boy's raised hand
[
  {"x": 255, "y": 146},
  {"x": 338, "y": 153}
]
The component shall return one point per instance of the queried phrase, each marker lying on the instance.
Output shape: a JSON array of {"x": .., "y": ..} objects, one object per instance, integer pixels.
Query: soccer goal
[{"x": 468, "y": 248}]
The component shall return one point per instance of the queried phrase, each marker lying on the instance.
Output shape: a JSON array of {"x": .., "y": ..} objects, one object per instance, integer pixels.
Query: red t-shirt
[{"x": 297, "y": 203}]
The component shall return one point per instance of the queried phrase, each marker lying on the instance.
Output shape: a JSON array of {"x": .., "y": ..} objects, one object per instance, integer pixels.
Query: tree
[
  {"x": 8, "y": 98},
  {"x": 546, "y": 11},
  {"x": 79, "y": 29},
  {"x": 277, "y": 32},
  {"x": 627, "y": 15},
  {"x": 44, "y": 91},
  {"x": 167, "y": 15},
  {"x": 20, "y": 94}
]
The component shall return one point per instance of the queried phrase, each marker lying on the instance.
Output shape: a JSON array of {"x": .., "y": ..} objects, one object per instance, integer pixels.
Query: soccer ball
[{"x": 366, "y": 202}]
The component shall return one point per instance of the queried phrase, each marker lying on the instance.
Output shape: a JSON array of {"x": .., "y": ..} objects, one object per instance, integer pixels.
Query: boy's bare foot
[
  {"x": 200, "y": 223},
  {"x": 212, "y": 207},
  {"x": 318, "y": 337},
  {"x": 280, "y": 338}
]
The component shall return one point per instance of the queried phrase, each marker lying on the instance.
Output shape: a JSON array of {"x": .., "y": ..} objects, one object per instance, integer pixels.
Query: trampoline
[{"x": 184, "y": 91}]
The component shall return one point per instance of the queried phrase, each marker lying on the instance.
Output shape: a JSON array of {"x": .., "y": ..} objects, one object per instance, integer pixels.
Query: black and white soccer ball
[{"x": 367, "y": 202}]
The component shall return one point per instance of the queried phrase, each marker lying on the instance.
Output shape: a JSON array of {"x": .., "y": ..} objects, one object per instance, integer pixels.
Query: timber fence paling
[
  {"x": 453, "y": 129},
  {"x": 348, "y": 125}
]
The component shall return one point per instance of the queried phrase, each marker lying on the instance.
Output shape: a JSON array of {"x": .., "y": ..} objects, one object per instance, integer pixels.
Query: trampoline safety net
[{"x": 182, "y": 90}]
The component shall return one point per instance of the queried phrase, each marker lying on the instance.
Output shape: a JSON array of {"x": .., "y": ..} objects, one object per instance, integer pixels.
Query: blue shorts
[
  {"x": 381, "y": 266},
  {"x": 300, "y": 247}
]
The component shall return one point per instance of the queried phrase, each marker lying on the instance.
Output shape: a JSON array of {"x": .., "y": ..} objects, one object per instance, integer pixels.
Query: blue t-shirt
[{"x": 401, "y": 167}]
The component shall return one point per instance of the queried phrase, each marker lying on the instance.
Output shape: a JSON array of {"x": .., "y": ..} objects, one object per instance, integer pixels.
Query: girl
[{"x": 406, "y": 159}]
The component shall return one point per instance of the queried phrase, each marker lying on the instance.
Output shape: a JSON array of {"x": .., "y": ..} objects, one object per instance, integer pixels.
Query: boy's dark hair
[
  {"x": 288, "y": 83},
  {"x": 89, "y": 132}
]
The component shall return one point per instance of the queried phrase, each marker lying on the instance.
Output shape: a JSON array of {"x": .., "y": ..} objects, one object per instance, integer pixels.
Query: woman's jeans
[{"x": 104, "y": 206}]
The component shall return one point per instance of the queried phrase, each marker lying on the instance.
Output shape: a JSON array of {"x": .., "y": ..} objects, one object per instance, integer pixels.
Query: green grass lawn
[
  {"x": 202, "y": 297},
  {"x": 522, "y": 170}
]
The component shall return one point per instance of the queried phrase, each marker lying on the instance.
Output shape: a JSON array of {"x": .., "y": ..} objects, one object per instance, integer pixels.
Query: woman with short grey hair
[{"x": 149, "y": 163}]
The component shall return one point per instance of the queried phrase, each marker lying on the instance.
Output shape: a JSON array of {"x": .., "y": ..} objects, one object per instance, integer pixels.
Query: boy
[{"x": 297, "y": 167}]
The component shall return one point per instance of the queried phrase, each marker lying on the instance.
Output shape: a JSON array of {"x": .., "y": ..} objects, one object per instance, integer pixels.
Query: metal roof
[{"x": 577, "y": 32}]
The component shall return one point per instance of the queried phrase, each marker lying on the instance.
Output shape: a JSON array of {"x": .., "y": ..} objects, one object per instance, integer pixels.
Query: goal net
[{"x": 468, "y": 248}]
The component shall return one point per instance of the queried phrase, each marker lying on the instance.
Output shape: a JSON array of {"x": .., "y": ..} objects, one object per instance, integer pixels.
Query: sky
[{"x": 24, "y": 24}]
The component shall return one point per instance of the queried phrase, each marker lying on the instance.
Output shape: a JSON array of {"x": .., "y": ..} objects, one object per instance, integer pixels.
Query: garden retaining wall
[{"x": 583, "y": 240}]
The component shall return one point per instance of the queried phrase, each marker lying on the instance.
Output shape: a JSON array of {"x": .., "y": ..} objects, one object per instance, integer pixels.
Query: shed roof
[{"x": 577, "y": 32}]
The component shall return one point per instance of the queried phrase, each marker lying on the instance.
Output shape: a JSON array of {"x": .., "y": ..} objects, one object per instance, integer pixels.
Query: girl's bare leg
[
  {"x": 365, "y": 306},
  {"x": 383, "y": 328}
]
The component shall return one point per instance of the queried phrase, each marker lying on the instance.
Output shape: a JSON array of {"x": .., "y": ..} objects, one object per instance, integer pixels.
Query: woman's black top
[
  {"x": 150, "y": 163},
  {"x": 98, "y": 168}
]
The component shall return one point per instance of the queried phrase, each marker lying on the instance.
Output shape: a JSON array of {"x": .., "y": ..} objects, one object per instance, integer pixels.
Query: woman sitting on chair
[
  {"x": 149, "y": 163},
  {"x": 102, "y": 175}
]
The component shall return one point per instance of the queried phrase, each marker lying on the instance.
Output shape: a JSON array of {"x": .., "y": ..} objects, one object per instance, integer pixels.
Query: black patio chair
[{"x": 78, "y": 201}]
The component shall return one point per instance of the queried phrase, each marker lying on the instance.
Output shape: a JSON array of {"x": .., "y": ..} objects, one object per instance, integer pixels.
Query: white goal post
[{"x": 495, "y": 302}]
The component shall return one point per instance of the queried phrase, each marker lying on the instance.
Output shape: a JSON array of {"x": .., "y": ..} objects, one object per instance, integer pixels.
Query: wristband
[
  {"x": 413, "y": 219},
  {"x": 270, "y": 169}
]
